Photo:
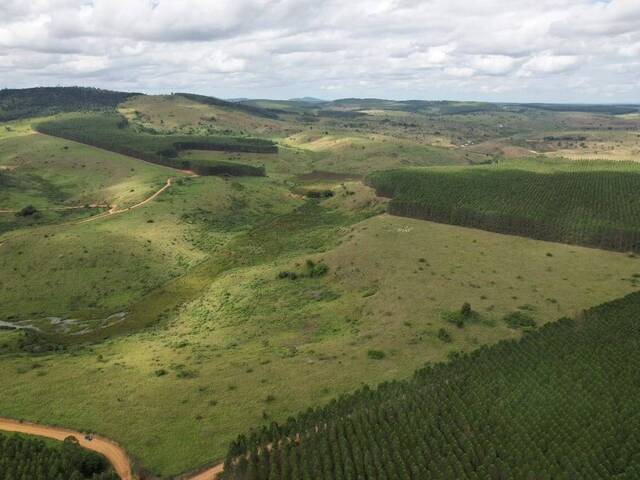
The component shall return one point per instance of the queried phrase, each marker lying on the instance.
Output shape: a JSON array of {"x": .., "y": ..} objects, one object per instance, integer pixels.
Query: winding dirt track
[
  {"x": 114, "y": 209},
  {"x": 115, "y": 454},
  {"x": 111, "y": 450},
  {"x": 208, "y": 474}
]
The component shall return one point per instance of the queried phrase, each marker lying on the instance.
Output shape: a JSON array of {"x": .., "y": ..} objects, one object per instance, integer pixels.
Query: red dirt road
[{"x": 115, "y": 454}]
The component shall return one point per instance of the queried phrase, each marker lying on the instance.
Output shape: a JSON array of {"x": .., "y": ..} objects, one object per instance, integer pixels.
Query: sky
[{"x": 583, "y": 51}]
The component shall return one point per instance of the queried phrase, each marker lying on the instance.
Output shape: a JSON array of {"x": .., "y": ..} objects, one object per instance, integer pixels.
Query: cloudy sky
[{"x": 509, "y": 50}]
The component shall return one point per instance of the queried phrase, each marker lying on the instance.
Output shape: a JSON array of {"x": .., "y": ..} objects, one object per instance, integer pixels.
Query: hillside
[
  {"x": 42, "y": 101},
  {"x": 113, "y": 132},
  {"x": 559, "y": 403}
]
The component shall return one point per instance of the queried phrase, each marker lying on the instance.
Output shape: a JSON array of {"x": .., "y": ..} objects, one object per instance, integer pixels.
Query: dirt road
[
  {"x": 114, "y": 209},
  {"x": 61, "y": 209},
  {"x": 116, "y": 455},
  {"x": 208, "y": 474},
  {"x": 112, "y": 451}
]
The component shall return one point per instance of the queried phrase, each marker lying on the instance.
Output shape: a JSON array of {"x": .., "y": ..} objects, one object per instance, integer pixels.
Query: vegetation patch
[
  {"x": 449, "y": 401},
  {"x": 25, "y": 457},
  {"x": 519, "y": 320},
  {"x": 113, "y": 132},
  {"x": 585, "y": 207}
]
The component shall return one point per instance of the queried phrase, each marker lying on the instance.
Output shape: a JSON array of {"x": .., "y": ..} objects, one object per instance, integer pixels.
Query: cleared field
[
  {"x": 577, "y": 204},
  {"x": 254, "y": 347}
]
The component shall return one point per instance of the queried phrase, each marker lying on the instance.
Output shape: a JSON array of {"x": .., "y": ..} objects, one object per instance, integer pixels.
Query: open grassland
[
  {"x": 603, "y": 145},
  {"x": 124, "y": 257},
  {"x": 577, "y": 203},
  {"x": 560, "y": 403},
  {"x": 66, "y": 180},
  {"x": 225, "y": 304},
  {"x": 69, "y": 173},
  {"x": 175, "y": 114},
  {"x": 254, "y": 347},
  {"x": 346, "y": 152}
]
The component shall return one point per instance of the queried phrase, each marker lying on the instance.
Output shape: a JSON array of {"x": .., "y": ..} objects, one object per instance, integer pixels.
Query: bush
[
  {"x": 444, "y": 335},
  {"x": 27, "y": 211},
  {"x": 519, "y": 320},
  {"x": 319, "y": 193},
  {"x": 376, "y": 354}
]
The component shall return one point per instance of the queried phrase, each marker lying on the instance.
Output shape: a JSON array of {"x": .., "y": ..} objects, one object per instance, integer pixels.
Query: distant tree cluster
[
  {"x": 42, "y": 101},
  {"x": 589, "y": 207},
  {"x": 111, "y": 132},
  {"x": 561, "y": 403},
  {"x": 26, "y": 458}
]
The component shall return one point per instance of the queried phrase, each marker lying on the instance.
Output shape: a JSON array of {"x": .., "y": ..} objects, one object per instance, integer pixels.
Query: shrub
[
  {"x": 27, "y": 211},
  {"x": 444, "y": 335},
  {"x": 319, "y": 193},
  {"x": 519, "y": 320},
  {"x": 376, "y": 354}
]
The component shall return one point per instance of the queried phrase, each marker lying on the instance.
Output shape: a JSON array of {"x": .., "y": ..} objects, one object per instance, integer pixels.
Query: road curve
[
  {"x": 114, "y": 453},
  {"x": 208, "y": 474}
]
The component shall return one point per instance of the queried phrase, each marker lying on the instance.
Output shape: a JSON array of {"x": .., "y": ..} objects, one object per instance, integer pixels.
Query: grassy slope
[
  {"x": 68, "y": 173},
  {"x": 305, "y": 341},
  {"x": 243, "y": 335},
  {"x": 560, "y": 403},
  {"x": 173, "y": 113},
  {"x": 126, "y": 256}
]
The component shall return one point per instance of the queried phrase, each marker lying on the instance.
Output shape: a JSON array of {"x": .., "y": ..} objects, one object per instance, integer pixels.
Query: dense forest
[
  {"x": 111, "y": 131},
  {"x": 592, "y": 208},
  {"x": 560, "y": 403},
  {"x": 28, "y": 458},
  {"x": 43, "y": 101}
]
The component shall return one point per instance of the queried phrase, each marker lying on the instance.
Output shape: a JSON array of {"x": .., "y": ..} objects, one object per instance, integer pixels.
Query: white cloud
[
  {"x": 547, "y": 63},
  {"x": 488, "y": 49}
]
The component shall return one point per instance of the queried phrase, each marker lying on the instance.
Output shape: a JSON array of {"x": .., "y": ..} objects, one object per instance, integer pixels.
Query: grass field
[
  {"x": 176, "y": 114},
  {"x": 514, "y": 410},
  {"x": 254, "y": 347},
  {"x": 126, "y": 256},
  {"x": 227, "y": 303}
]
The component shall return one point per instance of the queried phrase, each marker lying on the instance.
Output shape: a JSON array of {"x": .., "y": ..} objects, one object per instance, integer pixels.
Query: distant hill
[
  {"x": 41, "y": 101},
  {"x": 308, "y": 100},
  {"x": 586, "y": 108},
  {"x": 250, "y": 109}
]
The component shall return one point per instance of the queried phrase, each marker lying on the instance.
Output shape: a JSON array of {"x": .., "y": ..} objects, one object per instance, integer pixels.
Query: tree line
[
  {"x": 592, "y": 208},
  {"x": 560, "y": 403},
  {"x": 112, "y": 132},
  {"x": 28, "y": 458}
]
